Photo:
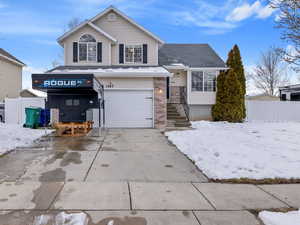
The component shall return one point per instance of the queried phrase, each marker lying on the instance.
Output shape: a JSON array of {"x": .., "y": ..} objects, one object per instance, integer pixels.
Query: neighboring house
[
  {"x": 10, "y": 75},
  {"x": 262, "y": 97},
  {"x": 32, "y": 93},
  {"x": 290, "y": 93},
  {"x": 139, "y": 72}
]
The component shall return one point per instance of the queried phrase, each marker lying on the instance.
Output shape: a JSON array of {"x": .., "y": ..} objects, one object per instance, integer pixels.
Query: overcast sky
[{"x": 29, "y": 29}]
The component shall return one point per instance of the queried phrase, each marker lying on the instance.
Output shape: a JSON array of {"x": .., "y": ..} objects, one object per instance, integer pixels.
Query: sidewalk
[{"x": 133, "y": 177}]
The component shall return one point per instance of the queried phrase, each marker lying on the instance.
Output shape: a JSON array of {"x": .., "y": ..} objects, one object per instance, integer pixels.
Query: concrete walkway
[{"x": 129, "y": 176}]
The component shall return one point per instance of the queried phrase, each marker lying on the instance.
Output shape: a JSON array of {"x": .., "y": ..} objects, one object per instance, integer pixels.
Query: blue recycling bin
[{"x": 44, "y": 117}]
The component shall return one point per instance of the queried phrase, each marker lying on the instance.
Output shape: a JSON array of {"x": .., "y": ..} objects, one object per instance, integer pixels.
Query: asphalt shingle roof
[
  {"x": 5, "y": 53},
  {"x": 192, "y": 55}
]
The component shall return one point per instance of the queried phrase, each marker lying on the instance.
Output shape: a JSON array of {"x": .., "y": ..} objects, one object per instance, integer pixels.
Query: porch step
[
  {"x": 175, "y": 118},
  {"x": 183, "y": 124}
]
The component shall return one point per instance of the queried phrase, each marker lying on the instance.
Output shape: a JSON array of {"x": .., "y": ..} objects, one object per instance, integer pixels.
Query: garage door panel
[{"x": 130, "y": 108}]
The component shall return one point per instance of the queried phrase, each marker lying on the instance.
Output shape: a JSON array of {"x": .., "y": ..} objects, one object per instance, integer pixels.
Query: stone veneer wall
[{"x": 160, "y": 103}]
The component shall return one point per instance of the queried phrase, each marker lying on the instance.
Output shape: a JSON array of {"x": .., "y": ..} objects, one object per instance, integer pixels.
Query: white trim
[
  {"x": 111, "y": 8},
  {"x": 183, "y": 67},
  {"x": 208, "y": 68},
  {"x": 131, "y": 74},
  {"x": 176, "y": 67},
  {"x": 102, "y": 32},
  {"x": 86, "y": 22},
  {"x": 134, "y": 46},
  {"x": 189, "y": 86},
  {"x": 117, "y": 74},
  {"x": 130, "y": 89},
  {"x": 12, "y": 60},
  {"x": 203, "y": 79}
]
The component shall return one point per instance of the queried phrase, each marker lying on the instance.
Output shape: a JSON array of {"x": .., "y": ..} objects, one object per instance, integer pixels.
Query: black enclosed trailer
[{"x": 75, "y": 96}]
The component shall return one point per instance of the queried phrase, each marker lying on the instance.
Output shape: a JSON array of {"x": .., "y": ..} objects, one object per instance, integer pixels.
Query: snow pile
[
  {"x": 12, "y": 136},
  {"x": 154, "y": 69},
  {"x": 273, "y": 218},
  {"x": 37, "y": 93},
  {"x": 254, "y": 150},
  {"x": 62, "y": 219}
]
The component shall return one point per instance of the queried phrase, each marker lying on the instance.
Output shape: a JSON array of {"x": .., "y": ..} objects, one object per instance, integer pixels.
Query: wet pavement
[{"x": 121, "y": 177}]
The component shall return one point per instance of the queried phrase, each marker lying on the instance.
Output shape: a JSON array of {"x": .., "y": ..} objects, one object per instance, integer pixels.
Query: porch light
[{"x": 160, "y": 91}]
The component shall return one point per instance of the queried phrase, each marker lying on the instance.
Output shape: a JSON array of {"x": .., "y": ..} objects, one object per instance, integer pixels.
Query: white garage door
[{"x": 128, "y": 108}]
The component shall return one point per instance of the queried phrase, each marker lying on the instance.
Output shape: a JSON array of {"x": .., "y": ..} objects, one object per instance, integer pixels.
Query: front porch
[{"x": 192, "y": 91}]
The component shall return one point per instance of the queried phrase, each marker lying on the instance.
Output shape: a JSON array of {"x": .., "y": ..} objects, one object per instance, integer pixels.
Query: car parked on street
[{"x": 2, "y": 117}]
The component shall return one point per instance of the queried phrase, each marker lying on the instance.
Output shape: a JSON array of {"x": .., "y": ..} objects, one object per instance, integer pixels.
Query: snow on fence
[
  {"x": 273, "y": 111},
  {"x": 15, "y": 108}
]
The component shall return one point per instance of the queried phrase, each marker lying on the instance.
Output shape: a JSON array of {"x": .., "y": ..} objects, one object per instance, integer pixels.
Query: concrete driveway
[{"x": 128, "y": 176}]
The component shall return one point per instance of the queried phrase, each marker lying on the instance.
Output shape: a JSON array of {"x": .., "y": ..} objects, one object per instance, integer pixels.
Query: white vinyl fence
[
  {"x": 15, "y": 108},
  {"x": 273, "y": 111}
]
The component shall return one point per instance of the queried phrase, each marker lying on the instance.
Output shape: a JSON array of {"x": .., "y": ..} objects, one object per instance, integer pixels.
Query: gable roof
[
  {"x": 192, "y": 55},
  {"x": 112, "y": 8},
  {"x": 34, "y": 92},
  {"x": 84, "y": 23},
  {"x": 10, "y": 57}
]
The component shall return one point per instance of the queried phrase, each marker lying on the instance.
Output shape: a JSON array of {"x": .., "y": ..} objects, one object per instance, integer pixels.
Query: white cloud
[
  {"x": 265, "y": 12},
  {"x": 291, "y": 52},
  {"x": 27, "y": 71},
  {"x": 205, "y": 15},
  {"x": 246, "y": 11},
  {"x": 243, "y": 12}
]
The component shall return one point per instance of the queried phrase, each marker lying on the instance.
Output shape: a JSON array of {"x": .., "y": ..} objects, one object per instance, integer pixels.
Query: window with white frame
[
  {"x": 87, "y": 48},
  {"x": 133, "y": 53},
  {"x": 204, "y": 81}
]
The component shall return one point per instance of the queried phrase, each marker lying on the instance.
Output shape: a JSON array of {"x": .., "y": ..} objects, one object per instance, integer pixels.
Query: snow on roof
[
  {"x": 37, "y": 93},
  {"x": 117, "y": 71}
]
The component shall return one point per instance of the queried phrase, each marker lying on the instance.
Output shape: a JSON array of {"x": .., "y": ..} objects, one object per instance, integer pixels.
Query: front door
[{"x": 73, "y": 108}]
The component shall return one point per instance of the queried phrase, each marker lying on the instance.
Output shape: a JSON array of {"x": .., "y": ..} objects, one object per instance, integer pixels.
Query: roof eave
[
  {"x": 12, "y": 60},
  {"x": 118, "y": 74},
  {"x": 209, "y": 68},
  {"x": 86, "y": 22}
]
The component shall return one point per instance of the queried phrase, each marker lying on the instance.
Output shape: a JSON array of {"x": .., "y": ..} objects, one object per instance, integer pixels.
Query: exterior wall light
[{"x": 160, "y": 91}]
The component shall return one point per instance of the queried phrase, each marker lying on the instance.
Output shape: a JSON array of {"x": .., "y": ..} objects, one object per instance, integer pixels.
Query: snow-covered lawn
[
  {"x": 12, "y": 136},
  {"x": 254, "y": 150},
  {"x": 273, "y": 218}
]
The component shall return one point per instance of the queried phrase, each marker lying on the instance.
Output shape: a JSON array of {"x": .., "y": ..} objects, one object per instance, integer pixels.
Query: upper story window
[
  {"x": 87, "y": 48},
  {"x": 204, "y": 81},
  {"x": 133, "y": 54}
]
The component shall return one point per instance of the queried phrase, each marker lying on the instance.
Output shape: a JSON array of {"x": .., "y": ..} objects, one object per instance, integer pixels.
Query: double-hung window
[
  {"x": 87, "y": 48},
  {"x": 204, "y": 81},
  {"x": 133, "y": 53}
]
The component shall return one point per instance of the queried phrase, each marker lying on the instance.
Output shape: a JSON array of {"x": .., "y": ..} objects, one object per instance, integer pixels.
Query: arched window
[{"x": 87, "y": 48}]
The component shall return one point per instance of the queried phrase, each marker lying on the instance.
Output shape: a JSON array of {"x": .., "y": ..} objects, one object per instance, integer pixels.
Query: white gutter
[
  {"x": 12, "y": 60},
  {"x": 129, "y": 74},
  {"x": 183, "y": 67},
  {"x": 118, "y": 74},
  {"x": 208, "y": 68}
]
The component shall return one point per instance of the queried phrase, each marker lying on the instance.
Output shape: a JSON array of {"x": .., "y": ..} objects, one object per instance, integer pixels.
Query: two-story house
[
  {"x": 10, "y": 75},
  {"x": 139, "y": 73}
]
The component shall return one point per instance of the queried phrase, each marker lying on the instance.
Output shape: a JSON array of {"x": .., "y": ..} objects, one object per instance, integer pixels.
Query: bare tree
[
  {"x": 288, "y": 20},
  {"x": 74, "y": 22},
  {"x": 270, "y": 73}
]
